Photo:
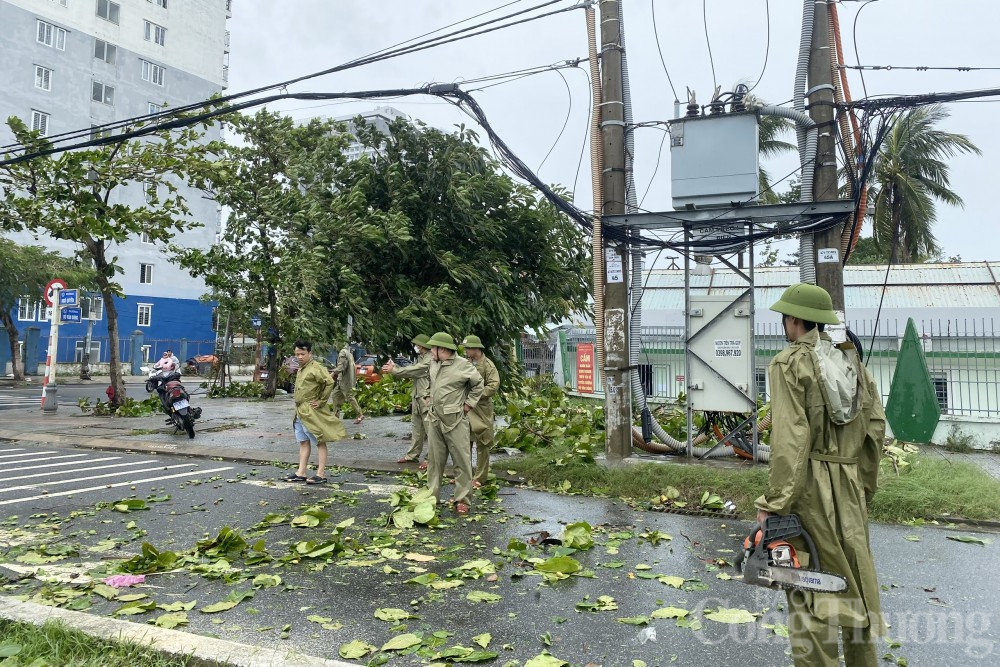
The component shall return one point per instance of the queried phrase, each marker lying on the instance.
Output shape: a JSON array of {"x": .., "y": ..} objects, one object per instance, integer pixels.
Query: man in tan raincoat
[
  {"x": 346, "y": 380},
  {"x": 826, "y": 441},
  {"x": 456, "y": 388},
  {"x": 481, "y": 418},
  {"x": 420, "y": 404},
  {"x": 314, "y": 421}
]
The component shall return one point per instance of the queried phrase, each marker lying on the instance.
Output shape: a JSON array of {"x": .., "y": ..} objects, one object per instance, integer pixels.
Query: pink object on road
[{"x": 123, "y": 580}]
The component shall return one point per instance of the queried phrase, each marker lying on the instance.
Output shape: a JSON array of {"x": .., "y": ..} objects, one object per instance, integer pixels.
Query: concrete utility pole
[
  {"x": 829, "y": 267},
  {"x": 618, "y": 409}
]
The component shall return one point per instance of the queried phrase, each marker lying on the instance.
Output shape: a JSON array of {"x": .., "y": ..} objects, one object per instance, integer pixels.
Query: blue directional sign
[
  {"x": 68, "y": 297},
  {"x": 256, "y": 321},
  {"x": 69, "y": 314}
]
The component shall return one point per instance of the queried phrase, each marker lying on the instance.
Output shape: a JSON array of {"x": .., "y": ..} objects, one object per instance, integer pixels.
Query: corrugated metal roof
[{"x": 922, "y": 291}]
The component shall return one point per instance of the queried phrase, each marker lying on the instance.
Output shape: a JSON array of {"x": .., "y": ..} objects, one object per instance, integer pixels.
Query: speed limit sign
[{"x": 50, "y": 290}]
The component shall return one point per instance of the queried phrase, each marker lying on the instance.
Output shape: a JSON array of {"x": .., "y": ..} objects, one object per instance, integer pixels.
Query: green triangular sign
[{"x": 912, "y": 410}]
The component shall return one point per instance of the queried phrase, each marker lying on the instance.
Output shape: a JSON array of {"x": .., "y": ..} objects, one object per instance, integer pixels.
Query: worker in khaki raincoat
[
  {"x": 826, "y": 441},
  {"x": 456, "y": 388},
  {"x": 344, "y": 376},
  {"x": 314, "y": 422},
  {"x": 420, "y": 404},
  {"x": 481, "y": 418}
]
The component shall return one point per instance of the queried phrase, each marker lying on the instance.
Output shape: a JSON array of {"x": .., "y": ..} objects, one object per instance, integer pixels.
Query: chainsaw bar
[{"x": 806, "y": 580}]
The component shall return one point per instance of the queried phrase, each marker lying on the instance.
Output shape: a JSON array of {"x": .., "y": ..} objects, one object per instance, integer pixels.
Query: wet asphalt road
[{"x": 940, "y": 595}]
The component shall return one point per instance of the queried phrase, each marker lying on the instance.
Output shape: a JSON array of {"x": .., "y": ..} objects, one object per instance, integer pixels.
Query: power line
[
  {"x": 586, "y": 133},
  {"x": 917, "y": 68},
  {"x": 365, "y": 60},
  {"x": 708, "y": 42},
  {"x": 767, "y": 46},
  {"x": 656, "y": 33},
  {"x": 569, "y": 112},
  {"x": 854, "y": 36}
]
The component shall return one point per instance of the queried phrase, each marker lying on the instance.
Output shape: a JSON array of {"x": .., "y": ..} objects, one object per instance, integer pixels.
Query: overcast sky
[{"x": 275, "y": 41}]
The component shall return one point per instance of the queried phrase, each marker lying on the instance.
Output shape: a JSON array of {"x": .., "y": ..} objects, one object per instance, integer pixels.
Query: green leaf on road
[
  {"x": 266, "y": 580},
  {"x": 559, "y": 564},
  {"x": 669, "y": 612},
  {"x": 732, "y": 616},
  {"x": 545, "y": 659},
  {"x": 578, "y": 536},
  {"x": 105, "y": 591},
  {"x": 178, "y": 606},
  {"x": 392, "y": 615},
  {"x": 134, "y": 608},
  {"x": 483, "y": 596},
  {"x": 401, "y": 642},
  {"x": 603, "y": 603},
  {"x": 670, "y": 580},
  {"x": 132, "y": 597},
  {"x": 171, "y": 621},
  {"x": 231, "y": 601},
  {"x": 483, "y": 640},
  {"x": 103, "y": 546},
  {"x": 634, "y": 620},
  {"x": 356, "y": 649},
  {"x": 967, "y": 539}
]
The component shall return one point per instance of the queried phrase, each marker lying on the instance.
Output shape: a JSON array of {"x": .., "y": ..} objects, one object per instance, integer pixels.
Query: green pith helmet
[
  {"x": 807, "y": 302},
  {"x": 442, "y": 339},
  {"x": 421, "y": 340},
  {"x": 473, "y": 341}
]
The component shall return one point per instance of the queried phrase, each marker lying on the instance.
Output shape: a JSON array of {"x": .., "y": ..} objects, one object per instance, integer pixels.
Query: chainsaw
[{"x": 769, "y": 559}]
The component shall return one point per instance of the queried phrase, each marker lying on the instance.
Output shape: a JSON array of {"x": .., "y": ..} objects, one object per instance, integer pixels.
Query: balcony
[
  {"x": 225, "y": 77},
  {"x": 226, "y": 43},
  {"x": 229, "y": 9}
]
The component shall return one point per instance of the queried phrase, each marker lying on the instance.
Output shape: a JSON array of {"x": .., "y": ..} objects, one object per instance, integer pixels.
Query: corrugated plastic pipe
[{"x": 597, "y": 188}]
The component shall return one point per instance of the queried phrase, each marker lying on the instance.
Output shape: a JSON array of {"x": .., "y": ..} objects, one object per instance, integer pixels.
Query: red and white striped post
[{"x": 51, "y": 354}]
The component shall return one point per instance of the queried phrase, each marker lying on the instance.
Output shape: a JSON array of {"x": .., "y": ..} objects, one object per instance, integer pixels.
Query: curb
[{"x": 201, "y": 651}]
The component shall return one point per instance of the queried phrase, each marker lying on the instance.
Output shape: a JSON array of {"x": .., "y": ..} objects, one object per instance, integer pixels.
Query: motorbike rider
[{"x": 168, "y": 362}]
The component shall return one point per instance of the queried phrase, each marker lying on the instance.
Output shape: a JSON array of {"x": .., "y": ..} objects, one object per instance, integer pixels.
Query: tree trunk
[
  {"x": 16, "y": 367},
  {"x": 96, "y": 249}
]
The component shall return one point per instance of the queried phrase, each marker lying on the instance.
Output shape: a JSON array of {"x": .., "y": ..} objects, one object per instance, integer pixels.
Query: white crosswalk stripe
[{"x": 27, "y": 475}]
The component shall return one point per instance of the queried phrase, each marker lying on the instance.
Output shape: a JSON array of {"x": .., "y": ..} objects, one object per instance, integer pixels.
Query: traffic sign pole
[{"x": 50, "y": 401}]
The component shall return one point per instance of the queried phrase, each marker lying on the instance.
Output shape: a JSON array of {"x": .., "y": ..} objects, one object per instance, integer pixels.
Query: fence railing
[{"x": 963, "y": 358}]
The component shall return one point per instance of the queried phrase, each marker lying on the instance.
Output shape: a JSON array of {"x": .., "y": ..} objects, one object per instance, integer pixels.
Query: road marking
[
  {"x": 76, "y": 470},
  {"x": 48, "y": 458},
  {"x": 113, "y": 486},
  {"x": 11, "y": 456},
  {"x": 83, "y": 479},
  {"x": 19, "y": 449}
]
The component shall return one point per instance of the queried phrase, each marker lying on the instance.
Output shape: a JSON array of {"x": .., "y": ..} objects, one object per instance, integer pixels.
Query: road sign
[
  {"x": 68, "y": 297},
  {"x": 256, "y": 321},
  {"x": 50, "y": 290},
  {"x": 71, "y": 314}
]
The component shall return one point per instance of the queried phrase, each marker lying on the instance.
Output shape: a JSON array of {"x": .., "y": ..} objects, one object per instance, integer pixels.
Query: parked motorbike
[{"x": 174, "y": 399}]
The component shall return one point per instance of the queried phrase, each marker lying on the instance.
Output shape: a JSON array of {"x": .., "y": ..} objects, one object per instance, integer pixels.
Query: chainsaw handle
[{"x": 813, "y": 551}]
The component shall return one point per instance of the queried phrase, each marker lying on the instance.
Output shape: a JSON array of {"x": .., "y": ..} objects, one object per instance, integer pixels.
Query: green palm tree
[
  {"x": 910, "y": 175},
  {"x": 769, "y": 129}
]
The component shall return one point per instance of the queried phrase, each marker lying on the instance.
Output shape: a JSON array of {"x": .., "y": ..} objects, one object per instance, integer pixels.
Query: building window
[
  {"x": 155, "y": 33},
  {"x": 155, "y": 108},
  {"x": 146, "y": 274},
  {"x": 40, "y": 122},
  {"x": 51, "y": 35},
  {"x": 108, "y": 10},
  {"x": 152, "y": 192},
  {"x": 63, "y": 3},
  {"x": 27, "y": 310},
  {"x": 106, "y": 52},
  {"x": 145, "y": 315},
  {"x": 43, "y": 77},
  {"x": 152, "y": 73},
  {"x": 92, "y": 304},
  {"x": 103, "y": 93},
  {"x": 95, "y": 351},
  {"x": 97, "y": 132},
  {"x": 161, "y": 3},
  {"x": 145, "y": 237}
]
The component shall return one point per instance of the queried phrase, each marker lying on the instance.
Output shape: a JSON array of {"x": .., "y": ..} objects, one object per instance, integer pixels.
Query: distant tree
[
  {"x": 74, "y": 196},
  {"x": 26, "y": 271},
  {"x": 911, "y": 173},
  {"x": 867, "y": 251},
  {"x": 770, "y": 128}
]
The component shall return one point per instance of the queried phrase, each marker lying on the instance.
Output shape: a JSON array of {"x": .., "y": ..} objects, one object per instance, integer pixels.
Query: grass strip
[
  {"x": 54, "y": 644},
  {"x": 928, "y": 487}
]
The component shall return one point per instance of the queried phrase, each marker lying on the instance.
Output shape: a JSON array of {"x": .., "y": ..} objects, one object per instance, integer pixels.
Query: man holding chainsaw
[{"x": 826, "y": 441}]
